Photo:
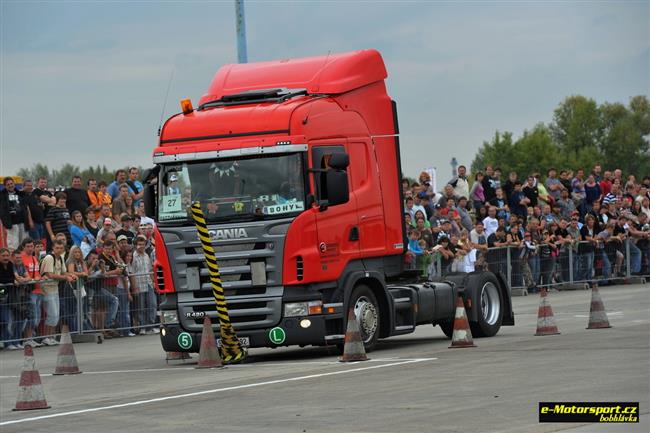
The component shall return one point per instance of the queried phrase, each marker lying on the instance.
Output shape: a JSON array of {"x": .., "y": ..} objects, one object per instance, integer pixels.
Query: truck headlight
[
  {"x": 294, "y": 309},
  {"x": 169, "y": 317}
]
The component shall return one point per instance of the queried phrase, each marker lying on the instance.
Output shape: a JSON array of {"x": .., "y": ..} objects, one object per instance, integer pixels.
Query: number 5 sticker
[{"x": 184, "y": 340}]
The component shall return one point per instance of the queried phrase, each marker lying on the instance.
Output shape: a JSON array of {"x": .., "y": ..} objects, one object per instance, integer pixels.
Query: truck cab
[{"x": 296, "y": 164}]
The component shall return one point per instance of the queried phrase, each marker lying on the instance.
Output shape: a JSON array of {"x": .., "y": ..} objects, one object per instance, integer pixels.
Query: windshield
[{"x": 247, "y": 188}]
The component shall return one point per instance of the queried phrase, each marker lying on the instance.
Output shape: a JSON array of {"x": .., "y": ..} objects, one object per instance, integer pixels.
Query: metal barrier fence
[
  {"x": 548, "y": 265},
  {"x": 34, "y": 313}
]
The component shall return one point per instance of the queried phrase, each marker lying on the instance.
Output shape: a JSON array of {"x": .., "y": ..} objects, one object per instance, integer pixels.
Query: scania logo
[{"x": 220, "y": 234}]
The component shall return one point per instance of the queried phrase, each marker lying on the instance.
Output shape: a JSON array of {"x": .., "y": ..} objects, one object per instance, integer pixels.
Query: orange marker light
[
  {"x": 315, "y": 307},
  {"x": 186, "y": 106}
]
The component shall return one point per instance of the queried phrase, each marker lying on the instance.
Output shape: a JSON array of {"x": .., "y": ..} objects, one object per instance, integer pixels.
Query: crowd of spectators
[
  {"x": 82, "y": 254},
  {"x": 594, "y": 220}
]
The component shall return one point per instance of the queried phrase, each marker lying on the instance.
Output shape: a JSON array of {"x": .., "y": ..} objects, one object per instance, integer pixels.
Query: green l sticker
[{"x": 277, "y": 335}]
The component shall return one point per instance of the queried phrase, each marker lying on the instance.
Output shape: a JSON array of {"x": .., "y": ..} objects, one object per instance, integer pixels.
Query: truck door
[
  {"x": 337, "y": 226},
  {"x": 366, "y": 188}
]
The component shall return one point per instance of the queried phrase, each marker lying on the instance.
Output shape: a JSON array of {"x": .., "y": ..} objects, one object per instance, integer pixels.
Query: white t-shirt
[{"x": 490, "y": 224}]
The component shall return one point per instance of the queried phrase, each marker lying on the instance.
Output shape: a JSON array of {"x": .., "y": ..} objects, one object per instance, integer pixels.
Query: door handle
[{"x": 354, "y": 234}]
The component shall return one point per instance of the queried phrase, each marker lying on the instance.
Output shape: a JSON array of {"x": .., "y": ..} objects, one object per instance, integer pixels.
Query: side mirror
[
  {"x": 339, "y": 161},
  {"x": 337, "y": 187},
  {"x": 149, "y": 199},
  {"x": 149, "y": 174}
]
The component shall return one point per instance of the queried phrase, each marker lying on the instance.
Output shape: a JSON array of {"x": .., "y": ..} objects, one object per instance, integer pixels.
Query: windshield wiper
[{"x": 254, "y": 97}]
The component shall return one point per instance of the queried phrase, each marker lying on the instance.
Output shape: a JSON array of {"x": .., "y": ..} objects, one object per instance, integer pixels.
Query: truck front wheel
[{"x": 366, "y": 309}]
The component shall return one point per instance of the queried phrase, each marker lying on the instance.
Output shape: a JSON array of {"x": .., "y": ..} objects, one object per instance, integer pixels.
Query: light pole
[
  {"x": 454, "y": 167},
  {"x": 242, "y": 55}
]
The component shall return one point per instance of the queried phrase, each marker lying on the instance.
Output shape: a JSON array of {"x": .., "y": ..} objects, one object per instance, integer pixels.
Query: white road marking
[
  {"x": 213, "y": 391},
  {"x": 256, "y": 364}
]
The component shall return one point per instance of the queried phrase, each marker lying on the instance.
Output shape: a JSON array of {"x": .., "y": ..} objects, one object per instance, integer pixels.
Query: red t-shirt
[
  {"x": 33, "y": 271},
  {"x": 605, "y": 187}
]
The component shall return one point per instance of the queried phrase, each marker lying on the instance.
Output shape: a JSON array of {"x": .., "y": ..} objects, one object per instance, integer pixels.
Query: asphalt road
[{"x": 413, "y": 383}]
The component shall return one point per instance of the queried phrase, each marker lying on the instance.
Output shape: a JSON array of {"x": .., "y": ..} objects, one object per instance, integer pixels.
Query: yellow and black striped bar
[{"x": 231, "y": 349}]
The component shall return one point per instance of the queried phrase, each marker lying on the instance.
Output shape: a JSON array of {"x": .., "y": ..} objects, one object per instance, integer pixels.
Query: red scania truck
[{"x": 296, "y": 163}]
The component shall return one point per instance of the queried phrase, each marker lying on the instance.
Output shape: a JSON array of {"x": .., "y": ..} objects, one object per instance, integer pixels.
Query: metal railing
[
  {"x": 32, "y": 311},
  {"x": 558, "y": 265}
]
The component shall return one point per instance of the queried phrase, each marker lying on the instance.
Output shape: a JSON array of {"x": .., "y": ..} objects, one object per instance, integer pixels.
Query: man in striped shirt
[
  {"x": 612, "y": 195},
  {"x": 56, "y": 220}
]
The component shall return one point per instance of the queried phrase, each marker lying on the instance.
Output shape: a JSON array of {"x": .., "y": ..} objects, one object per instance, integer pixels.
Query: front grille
[
  {"x": 246, "y": 314},
  {"x": 250, "y": 271}
]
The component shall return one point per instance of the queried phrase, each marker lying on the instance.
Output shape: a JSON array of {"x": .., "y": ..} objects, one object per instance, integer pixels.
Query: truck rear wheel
[
  {"x": 366, "y": 309},
  {"x": 490, "y": 305},
  {"x": 447, "y": 328}
]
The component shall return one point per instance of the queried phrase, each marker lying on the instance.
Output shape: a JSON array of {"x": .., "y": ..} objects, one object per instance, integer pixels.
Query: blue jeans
[
  {"x": 533, "y": 262},
  {"x": 152, "y": 306},
  {"x": 68, "y": 307},
  {"x": 635, "y": 257},
  {"x": 37, "y": 302},
  {"x": 104, "y": 299},
  {"x": 607, "y": 266},
  {"x": 11, "y": 328},
  {"x": 37, "y": 232},
  {"x": 123, "y": 315}
]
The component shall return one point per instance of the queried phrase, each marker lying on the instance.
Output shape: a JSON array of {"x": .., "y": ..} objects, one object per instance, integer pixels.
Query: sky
[{"x": 85, "y": 81}]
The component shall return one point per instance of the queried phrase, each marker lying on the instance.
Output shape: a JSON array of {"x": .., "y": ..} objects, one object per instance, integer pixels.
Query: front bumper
[{"x": 294, "y": 334}]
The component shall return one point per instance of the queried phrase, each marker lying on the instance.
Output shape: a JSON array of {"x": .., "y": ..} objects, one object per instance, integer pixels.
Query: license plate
[{"x": 244, "y": 341}]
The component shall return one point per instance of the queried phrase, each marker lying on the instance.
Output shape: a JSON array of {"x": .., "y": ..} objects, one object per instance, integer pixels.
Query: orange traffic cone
[
  {"x": 545, "y": 318},
  {"x": 353, "y": 349},
  {"x": 208, "y": 354},
  {"x": 462, "y": 335},
  {"x": 30, "y": 390},
  {"x": 66, "y": 361},
  {"x": 597, "y": 315}
]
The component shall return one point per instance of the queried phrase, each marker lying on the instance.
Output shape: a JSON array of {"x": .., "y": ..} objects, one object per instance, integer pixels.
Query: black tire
[
  {"x": 369, "y": 308},
  {"x": 489, "y": 301},
  {"x": 447, "y": 328}
]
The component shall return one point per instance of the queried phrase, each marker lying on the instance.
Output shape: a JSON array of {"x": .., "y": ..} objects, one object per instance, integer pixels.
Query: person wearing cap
[
  {"x": 126, "y": 229},
  {"x": 425, "y": 202},
  {"x": 107, "y": 227},
  {"x": 122, "y": 244},
  {"x": 172, "y": 187},
  {"x": 447, "y": 252}
]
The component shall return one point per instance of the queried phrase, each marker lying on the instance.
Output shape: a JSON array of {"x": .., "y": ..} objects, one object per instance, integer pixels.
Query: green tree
[
  {"x": 581, "y": 135},
  {"x": 576, "y": 125},
  {"x": 498, "y": 152},
  {"x": 63, "y": 175}
]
